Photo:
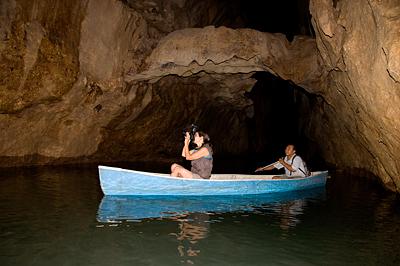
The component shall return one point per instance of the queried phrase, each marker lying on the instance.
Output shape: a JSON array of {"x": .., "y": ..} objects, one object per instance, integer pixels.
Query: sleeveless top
[{"x": 203, "y": 166}]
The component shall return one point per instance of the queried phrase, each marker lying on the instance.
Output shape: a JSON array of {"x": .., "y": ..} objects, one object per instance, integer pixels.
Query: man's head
[{"x": 290, "y": 150}]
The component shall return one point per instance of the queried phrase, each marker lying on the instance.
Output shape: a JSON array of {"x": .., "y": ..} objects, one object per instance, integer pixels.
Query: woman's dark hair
[{"x": 206, "y": 138}]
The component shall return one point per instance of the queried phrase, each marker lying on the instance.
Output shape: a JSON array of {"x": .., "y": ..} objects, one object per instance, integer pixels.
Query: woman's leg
[
  {"x": 180, "y": 171},
  {"x": 173, "y": 166}
]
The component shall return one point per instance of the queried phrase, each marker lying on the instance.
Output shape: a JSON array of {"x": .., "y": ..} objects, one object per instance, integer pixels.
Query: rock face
[
  {"x": 54, "y": 90},
  {"x": 62, "y": 94},
  {"x": 96, "y": 81},
  {"x": 223, "y": 50},
  {"x": 358, "y": 122}
]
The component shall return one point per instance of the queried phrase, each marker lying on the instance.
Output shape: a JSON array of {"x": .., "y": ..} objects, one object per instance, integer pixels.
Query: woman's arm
[
  {"x": 183, "y": 151},
  {"x": 195, "y": 155},
  {"x": 185, "y": 144}
]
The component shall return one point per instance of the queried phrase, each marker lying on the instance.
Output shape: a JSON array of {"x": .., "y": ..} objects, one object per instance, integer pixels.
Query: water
[{"x": 58, "y": 216}]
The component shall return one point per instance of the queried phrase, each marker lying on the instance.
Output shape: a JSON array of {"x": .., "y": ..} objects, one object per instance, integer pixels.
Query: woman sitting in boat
[{"x": 201, "y": 158}]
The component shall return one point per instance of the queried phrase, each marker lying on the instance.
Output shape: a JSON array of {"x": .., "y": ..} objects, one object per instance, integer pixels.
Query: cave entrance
[
  {"x": 249, "y": 117},
  {"x": 275, "y": 121},
  {"x": 248, "y": 127},
  {"x": 280, "y": 117}
]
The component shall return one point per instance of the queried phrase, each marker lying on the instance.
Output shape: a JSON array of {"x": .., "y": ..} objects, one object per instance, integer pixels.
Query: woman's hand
[{"x": 187, "y": 139}]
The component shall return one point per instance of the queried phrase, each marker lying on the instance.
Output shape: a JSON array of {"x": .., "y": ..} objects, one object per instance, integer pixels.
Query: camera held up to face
[{"x": 191, "y": 129}]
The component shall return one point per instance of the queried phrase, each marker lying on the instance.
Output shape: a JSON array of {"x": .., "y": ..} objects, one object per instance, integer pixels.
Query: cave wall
[
  {"x": 61, "y": 75},
  {"x": 52, "y": 109},
  {"x": 37, "y": 50},
  {"x": 357, "y": 122},
  {"x": 63, "y": 98}
]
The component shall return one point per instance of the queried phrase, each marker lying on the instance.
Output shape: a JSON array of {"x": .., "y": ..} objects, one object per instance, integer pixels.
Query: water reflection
[
  {"x": 192, "y": 228},
  {"x": 288, "y": 212},
  {"x": 135, "y": 208},
  {"x": 195, "y": 215}
]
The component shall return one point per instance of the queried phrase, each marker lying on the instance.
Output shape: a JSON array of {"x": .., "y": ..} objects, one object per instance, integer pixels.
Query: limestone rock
[
  {"x": 223, "y": 50},
  {"x": 360, "y": 53},
  {"x": 62, "y": 94}
]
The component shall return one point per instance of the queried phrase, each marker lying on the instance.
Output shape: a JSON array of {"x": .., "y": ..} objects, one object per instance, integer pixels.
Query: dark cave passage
[
  {"x": 290, "y": 17},
  {"x": 275, "y": 121},
  {"x": 279, "y": 116}
]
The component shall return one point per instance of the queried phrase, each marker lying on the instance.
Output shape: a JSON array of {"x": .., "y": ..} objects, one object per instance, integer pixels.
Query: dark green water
[{"x": 49, "y": 216}]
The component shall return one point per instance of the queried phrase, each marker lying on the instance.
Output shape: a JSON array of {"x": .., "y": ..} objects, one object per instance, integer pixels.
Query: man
[{"x": 293, "y": 164}]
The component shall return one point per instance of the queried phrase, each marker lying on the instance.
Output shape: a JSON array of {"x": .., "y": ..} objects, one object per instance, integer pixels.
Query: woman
[{"x": 201, "y": 157}]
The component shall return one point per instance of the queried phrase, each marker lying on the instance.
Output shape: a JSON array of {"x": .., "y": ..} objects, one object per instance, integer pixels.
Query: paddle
[{"x": 263, "y": 168}]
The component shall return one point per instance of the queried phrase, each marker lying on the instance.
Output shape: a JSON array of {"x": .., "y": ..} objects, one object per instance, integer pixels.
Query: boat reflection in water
[
  {"x": 194, "y": 214},
  {"x": 134, "y": 208}
]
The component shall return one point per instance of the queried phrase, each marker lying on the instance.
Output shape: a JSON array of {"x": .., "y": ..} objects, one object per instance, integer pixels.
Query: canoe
[
  {"x": 133, "y": 208},
  {"x": 118, "y": 181}
]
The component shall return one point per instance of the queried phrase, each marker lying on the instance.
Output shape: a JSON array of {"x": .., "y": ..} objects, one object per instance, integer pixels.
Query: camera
[{"x": 192, "y": 129}]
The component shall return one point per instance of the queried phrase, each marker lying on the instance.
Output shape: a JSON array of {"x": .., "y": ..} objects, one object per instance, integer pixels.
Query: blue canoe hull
[{"x": 118, "y": 181}]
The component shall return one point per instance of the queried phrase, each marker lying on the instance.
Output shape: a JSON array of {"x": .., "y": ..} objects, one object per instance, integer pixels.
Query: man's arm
[
  {"x": 286, "y": 165},
  {"x": 266, "y": 168}
]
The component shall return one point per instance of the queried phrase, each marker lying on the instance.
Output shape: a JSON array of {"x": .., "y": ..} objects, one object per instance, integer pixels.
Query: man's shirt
[{"x": 296, "y": 163}]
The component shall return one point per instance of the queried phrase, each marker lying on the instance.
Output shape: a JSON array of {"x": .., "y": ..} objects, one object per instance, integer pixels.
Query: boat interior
[{"x": 252, "y": 177}]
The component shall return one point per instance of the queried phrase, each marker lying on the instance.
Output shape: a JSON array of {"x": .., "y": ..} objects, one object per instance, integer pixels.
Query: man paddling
[{"x": 293, "y": 164}]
